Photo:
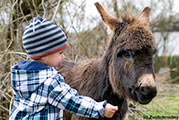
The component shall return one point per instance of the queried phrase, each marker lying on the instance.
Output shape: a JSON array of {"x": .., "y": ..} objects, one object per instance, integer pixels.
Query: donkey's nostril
[
  {"x": 148, "y": 91},
  {"x": 144, "y": 90}
]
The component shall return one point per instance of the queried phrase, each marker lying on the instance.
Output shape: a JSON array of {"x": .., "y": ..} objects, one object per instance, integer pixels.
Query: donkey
[{"x": 124, "y": 71}]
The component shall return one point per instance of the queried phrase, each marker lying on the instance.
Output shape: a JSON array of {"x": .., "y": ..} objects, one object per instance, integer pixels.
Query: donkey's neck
[
  {"x": 104, "y": 85},
  {"x": 104, "y": 66},
  {"x": 106, "y": 92}
]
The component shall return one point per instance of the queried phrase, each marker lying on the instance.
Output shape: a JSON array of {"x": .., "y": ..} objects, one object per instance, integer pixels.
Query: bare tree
[{"x": 162, "y": 24}]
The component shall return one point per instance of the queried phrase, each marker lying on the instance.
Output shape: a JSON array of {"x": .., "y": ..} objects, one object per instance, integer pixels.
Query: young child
[{"x": 40, "y": 92}]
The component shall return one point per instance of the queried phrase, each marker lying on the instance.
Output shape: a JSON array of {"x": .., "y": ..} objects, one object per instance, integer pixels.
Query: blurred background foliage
[{"x": 88, "y": 36}]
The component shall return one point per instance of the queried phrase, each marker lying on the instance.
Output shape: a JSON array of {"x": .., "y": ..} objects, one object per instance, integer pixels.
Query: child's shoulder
[{"x": 30, "y": 65}]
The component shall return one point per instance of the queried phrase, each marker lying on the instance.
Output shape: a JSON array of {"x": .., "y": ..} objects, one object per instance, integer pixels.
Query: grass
[{"x": 164, "y": 105}]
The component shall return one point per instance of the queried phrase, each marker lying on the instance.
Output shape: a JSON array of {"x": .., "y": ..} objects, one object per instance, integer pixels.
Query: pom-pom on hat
[{"x": 42, "y": 37}]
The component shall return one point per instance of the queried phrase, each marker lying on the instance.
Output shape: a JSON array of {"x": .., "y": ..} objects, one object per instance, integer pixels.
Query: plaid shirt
[{"x": 43, "y": 95}]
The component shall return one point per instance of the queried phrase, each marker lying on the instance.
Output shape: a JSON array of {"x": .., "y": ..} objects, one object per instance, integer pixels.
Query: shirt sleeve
[{"x": 64, "y": 97}]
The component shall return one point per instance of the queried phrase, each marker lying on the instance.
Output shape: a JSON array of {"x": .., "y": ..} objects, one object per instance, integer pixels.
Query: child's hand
[{"x": 109, "y": 110}]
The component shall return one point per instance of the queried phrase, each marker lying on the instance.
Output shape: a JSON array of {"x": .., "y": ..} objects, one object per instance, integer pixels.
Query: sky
[{"x": 90, "y": 4}]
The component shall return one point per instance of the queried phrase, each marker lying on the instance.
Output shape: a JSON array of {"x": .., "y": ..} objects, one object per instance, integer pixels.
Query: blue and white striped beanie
[{"x": 42, "y": 37}]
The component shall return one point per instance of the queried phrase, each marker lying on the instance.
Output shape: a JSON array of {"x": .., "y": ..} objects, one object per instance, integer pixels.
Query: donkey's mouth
[
  {"x": 140, "y": 97},
  {"x": 133, "y": 94},
  {"x": 144, "y": 98}
]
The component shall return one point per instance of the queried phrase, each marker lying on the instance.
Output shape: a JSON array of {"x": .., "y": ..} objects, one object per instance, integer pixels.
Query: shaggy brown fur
[{"x": 124, "y": 71}]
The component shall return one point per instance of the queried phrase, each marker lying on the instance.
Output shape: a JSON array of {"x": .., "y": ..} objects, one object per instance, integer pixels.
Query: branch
[
  {"x": 58, "y": 4},
  {"x": 43, "y": 6},
  {"x": 35, "y": 7},
  {"x": 22, "y": 12}
]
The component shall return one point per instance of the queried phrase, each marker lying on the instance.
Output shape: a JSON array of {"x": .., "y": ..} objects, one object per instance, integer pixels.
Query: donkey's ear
[
  {"x": 110, "y": 21},
  {"x": 144, "y": 16}
]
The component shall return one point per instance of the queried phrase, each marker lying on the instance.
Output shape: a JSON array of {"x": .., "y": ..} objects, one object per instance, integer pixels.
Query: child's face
[{"x": 53, "y": 60}]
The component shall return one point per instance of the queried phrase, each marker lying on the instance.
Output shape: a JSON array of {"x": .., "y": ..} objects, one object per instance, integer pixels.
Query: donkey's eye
[{"x": 126, "y": 54}]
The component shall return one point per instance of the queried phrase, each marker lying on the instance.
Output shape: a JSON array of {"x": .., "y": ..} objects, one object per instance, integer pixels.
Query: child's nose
[{"x": 63, "y": 56}]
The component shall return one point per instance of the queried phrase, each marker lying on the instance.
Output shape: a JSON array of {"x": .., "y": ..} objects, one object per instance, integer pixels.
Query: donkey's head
[{"x": 130, "y": 55}]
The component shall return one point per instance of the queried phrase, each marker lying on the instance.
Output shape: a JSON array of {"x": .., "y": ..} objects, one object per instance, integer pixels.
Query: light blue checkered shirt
[{"x": 43, "y": 95}]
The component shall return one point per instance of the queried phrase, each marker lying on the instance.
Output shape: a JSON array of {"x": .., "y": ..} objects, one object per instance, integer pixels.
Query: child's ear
[{"x": 43, "y": 58}]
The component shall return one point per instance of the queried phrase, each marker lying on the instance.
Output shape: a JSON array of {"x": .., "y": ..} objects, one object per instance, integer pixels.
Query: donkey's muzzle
[
  {"x": 146, "y": 90},
  {"x": 146, "y": 94}
]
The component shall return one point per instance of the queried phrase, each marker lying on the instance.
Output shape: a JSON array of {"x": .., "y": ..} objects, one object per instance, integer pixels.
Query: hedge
[{"x": 172, "y": 62}]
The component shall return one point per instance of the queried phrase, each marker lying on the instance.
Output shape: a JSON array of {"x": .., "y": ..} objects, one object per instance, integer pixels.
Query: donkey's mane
[{"x": 127, "y": 17}]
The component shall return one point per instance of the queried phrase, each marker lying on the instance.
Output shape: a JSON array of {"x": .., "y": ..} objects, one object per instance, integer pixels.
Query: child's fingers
[{"x": 115, "y": 108}]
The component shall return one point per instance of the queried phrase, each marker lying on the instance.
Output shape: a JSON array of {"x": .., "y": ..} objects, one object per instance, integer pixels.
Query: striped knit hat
[{"x": 42, "y": 37}]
